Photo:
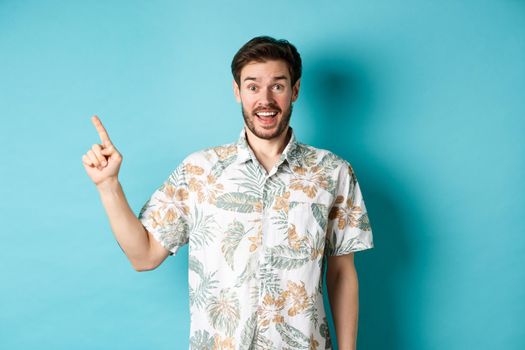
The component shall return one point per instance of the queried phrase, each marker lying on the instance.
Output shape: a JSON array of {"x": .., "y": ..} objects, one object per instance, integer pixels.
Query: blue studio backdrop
[{"x": 424, "y": 98}]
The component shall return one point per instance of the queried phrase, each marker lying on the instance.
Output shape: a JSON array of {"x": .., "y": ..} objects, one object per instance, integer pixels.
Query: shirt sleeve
[
  {"x": 348, "y": 227},
  {"x": 166, "y": 215}
]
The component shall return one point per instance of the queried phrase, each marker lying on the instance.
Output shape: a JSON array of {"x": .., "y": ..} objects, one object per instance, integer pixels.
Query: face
[{"x": 266, "y": 96}]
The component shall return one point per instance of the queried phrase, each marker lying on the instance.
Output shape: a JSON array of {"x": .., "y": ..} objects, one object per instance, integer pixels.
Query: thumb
[{"x": 108, "y": 150}]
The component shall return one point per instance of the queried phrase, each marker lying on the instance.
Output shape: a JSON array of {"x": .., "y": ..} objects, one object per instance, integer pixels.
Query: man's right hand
[{"x": 102, "y": 161}]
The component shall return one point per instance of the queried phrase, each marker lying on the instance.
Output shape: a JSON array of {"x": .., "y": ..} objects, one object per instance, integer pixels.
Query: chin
[
  {"x": 268, "y": 134},
  {"x": 260, "y": 131}
]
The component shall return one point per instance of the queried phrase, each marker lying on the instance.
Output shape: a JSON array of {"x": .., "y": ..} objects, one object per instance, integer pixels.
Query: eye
[
  {"x": 252, "y": 88},
  {"x": 278, "y": 87}
]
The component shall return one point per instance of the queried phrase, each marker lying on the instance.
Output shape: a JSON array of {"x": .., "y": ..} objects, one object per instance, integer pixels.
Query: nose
[{"x": 267, "y": 96}]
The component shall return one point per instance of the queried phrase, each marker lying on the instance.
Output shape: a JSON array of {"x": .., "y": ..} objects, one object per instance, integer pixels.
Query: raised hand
[{"x": 102, "y": 161}]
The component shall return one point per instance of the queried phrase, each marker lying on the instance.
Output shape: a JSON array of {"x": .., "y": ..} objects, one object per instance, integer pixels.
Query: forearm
[
  {"x": 127, "y": 229},
  {"x": 343, "y": 293}
]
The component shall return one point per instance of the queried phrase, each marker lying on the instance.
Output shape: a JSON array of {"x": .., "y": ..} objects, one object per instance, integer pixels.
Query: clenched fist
[{"x": 102, "y": 161}]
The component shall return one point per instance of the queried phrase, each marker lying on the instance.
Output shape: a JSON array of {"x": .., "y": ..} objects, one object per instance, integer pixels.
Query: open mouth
[{"x": 266, "y": 117}]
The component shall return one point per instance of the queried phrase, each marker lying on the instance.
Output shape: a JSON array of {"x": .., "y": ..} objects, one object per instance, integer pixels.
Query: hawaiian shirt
[{"x": 258, "y": 241}]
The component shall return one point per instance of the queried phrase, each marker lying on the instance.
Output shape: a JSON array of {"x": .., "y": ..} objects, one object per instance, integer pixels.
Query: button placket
[{"x": 262, "y": 252}]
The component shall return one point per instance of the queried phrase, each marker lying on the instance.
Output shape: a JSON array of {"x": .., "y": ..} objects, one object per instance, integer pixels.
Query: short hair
[{"x": 265, "y": 48}]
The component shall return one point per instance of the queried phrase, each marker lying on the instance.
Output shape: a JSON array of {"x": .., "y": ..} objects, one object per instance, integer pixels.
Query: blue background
[{"x": 424, "y": 98}]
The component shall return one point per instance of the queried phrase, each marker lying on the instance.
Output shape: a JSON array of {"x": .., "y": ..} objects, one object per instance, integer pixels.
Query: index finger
[{"x": 104, "y": 137}]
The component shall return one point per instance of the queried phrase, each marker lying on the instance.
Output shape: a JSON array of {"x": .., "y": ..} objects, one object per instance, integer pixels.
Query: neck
[{"x": 268, "y": 149}]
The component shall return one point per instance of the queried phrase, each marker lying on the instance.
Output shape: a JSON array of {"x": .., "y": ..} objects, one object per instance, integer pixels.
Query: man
[{"x": 262, "y": 217}]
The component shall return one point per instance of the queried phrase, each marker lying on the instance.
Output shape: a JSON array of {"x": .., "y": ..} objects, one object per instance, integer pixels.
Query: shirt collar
[{"x": 245, "y": 153}]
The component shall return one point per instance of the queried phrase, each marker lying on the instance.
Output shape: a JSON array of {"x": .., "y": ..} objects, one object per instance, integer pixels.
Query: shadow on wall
[{"x": 341, "y": 97}]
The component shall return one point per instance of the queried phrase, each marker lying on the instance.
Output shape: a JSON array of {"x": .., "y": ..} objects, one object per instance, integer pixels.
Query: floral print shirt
[{"x": 258, "y": 241}]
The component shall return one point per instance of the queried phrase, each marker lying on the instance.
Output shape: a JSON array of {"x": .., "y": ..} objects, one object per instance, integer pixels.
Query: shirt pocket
[
  {"x": 307, "y": 222},
  {"x": 301, "y": 250}
]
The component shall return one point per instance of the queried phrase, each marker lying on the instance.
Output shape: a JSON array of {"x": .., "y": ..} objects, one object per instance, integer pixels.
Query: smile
[
  {"x": 267, "y": 118},
  {"x": 266, "y": 114}
]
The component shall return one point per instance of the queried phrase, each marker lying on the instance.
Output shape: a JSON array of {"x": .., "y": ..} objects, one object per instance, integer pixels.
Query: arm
[
  {"x": 102, "y": 164},
  {"x": 343, "y": 293},
  {"x": 144, "y": 252}
]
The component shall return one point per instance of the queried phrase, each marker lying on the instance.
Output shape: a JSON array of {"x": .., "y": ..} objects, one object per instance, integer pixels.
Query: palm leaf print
[
  {"x": 196, "y": 266},
  {"x": 364, "y": 223},
  {"x": 311, "y": 311},
  {"x": 330, "y": 162},
  {"x": 252, "y": 179},
  {"x": 248, "y": 335},
  {"x": 177, "y": 178},
  {"x": 319, "y": 251},
  {"x": 252, "y": 337},
  {"x": 201, "y": 340},
  {"x": 218, "y": 168},
  {"x": 273, "y": 187},
  {"x": 223, "y": 311},
  {"x": 259, "y": 242},
  {"x": 280, "y": 221},
  {"x": 289, "y": 257},
  {"x": 285, "y": 257},
  {"x": 331, "y": 186},
  {"x": 320, "y": 214},
  {"x": 350, "y": 245},
  {"x": 254, "y": 295},
  {"x": 270, "y": 279},
  {"x": 352, "y": 180},
  {"x": 325, "y": 333},
  {"x": 249, "y": 271},
  {"x": 202, "y": 292},
  {"x": 237, "y": 201},
  {"x": 263, "y": 343},
  {"x": 201, "y": 230},
  {"x": 175, "y": 235},
  {"x": 305, "y": 154},
  {"x": 293, "y": 204},
  {"x": 231, "y": 240},
  {"x": 292, "y": 336},
  {"x": 315, "y": 246}
]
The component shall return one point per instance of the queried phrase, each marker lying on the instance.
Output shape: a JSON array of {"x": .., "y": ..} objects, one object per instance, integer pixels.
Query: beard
[{"x": 267, "y": 134}]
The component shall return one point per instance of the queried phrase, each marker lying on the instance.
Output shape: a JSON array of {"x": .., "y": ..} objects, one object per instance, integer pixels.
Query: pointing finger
[{"x": 104, "y": 137}]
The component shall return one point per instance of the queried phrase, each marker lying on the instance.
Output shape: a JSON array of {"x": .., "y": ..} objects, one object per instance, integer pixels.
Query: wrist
[{"x": 108, "y": 185}]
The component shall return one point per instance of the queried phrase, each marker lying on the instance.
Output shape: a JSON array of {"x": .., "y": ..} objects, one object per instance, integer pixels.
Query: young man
[{"x": 262, "y": 217}]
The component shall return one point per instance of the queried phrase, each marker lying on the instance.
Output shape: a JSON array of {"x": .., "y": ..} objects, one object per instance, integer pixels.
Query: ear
[
  {"x": 295, "y": 90},
  {"x": 236, "y": 91}
]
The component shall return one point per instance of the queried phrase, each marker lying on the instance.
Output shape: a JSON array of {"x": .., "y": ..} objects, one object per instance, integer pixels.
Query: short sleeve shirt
[{"x": 258, "y": 241}]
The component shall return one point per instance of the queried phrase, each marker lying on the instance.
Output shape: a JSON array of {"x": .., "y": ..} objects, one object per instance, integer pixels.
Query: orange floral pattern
[
  {"x": 347, "y": 215},
  {"x": 206, "y": 189},
  {"x": 297, "y": 296},
  {"x": 270, "y": 310},
  {"x": 258, "y": 241},
  {"x": 309, "y": 180}
]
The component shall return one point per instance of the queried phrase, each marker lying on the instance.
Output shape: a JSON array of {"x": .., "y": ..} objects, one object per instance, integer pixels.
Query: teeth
[{"x": 266, "y": 114}]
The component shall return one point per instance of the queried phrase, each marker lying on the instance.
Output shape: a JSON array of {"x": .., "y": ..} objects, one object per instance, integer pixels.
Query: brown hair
[{"x": 264, "y": 48}]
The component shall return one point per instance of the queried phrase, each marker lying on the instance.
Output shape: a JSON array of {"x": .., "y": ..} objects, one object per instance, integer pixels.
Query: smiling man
[
  {"x": 263, "y": 216},
  {"x": 269, "y": 114}
]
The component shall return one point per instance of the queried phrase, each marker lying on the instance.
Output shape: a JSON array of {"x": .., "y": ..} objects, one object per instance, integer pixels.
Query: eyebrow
[{"x": 280, "y": 77}]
